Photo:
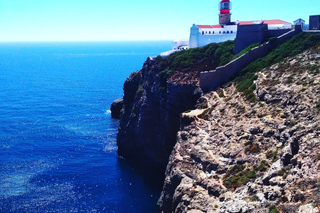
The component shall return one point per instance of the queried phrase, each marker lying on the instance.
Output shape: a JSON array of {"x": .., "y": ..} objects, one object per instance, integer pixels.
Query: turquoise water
[{"x": 57, "y": 139}]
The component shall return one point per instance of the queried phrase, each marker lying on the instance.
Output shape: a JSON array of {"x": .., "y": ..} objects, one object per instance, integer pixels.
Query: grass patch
[
  {"x": 263, "y": 166},
  {"x": 237, "y": 176},
  {"x": 272, "y": 154},
  {"x": 283, "y": 172},
  {"x": 247, "y": 50},
  {"x": 164, "y": 76},
  {"x": 292, "y": 47},
  {"x": 208, "y": 57},
  {"x": 273, "y": 209},
  {"x": 318, "y": 107},
  {"x": 221, "y": 94},
  {"x": 140, "y": 88}
]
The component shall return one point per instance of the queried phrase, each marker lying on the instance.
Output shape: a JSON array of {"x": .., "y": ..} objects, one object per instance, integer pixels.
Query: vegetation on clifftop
[
  {"x": 292, "y": 47},
  {"x": 191, "y": 62}
]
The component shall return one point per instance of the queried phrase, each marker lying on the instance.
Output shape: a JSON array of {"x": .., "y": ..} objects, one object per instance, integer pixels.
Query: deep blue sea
[{"x": 58, "y": 148}]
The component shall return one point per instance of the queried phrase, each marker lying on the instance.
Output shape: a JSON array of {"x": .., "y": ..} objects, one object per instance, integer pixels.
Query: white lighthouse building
[{"x": 201, "y": 35}]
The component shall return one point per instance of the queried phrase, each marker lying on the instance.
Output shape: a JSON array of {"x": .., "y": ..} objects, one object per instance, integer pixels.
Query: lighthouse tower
[{"x": 225, "y": 15}]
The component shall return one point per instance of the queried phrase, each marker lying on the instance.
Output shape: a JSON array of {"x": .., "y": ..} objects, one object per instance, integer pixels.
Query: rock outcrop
[
  {"x": 116, "y": 108},
  {"x": 150, "y": 118},
  {"x": 234, "y": 155}
]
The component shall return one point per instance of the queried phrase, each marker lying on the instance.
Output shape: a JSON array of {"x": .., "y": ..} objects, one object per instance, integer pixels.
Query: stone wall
[
  {"x": 212, "y": 79},
  {"x": 314, "y": 22},
  {"x": 254, "y": 33},
  {"x": 249, "y": 34}
]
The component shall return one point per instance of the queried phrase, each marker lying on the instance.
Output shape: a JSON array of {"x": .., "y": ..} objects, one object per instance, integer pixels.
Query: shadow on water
[{"x": 152, "y": 177}]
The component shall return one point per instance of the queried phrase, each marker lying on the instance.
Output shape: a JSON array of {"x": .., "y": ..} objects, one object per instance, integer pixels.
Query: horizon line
[{"x": 30, "y": 41}]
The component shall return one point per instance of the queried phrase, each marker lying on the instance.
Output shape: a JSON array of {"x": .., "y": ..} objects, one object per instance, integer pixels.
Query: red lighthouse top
[{"x": 225, "y": 6}]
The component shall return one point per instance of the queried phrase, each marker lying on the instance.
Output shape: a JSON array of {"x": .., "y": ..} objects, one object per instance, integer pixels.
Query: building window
[
  {"x": 206, "y": 32},
  {"x": 212, "y": 32},
  {"x": 209, "y": 32},
  {"x": 231, "y": 32},
  {"x": 202, "y": 32},
  {"x": 219, "y": 32},
  {"x": 224, "y": 32},
  {"x": 227, "y": 32}
]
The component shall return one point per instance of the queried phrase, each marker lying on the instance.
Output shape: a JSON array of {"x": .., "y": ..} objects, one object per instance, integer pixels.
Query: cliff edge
[
  {"x": 151, "y": 114},
  {"x": 154, "y": 98},
  {"x": 261, "y": 155},
  {"x": 252, "y": 145}
]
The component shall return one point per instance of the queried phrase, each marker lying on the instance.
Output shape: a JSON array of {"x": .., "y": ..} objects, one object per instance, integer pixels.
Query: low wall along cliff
[{"x": 212, "y": 79}]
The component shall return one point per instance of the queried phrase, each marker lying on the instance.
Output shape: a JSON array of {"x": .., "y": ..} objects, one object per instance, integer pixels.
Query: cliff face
[
  {"x": 242, "y": 156},
  {"x": 155, "y": 97},
  {"x": 150, "y": 118}
]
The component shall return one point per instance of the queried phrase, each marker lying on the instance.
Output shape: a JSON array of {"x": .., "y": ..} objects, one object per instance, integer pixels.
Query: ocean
[{"x": 58, "y": 148}]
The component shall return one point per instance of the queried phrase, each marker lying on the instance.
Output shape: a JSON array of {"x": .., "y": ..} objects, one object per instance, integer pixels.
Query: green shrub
[
  {"x": 272, "y": 40},
  {"x": 140, "y": 88},
  {"x": 318, "y": 107},
  {"x": 237, "y": 176},
  {"x": 164, "y": 76},
  {"x": 247, "y": 49},
  {"x": 273, "y": 209},
  {"x": 272, "y": 154},
  {"x": 240, "y": 178},
  {"x": 221, "y": 94},
  {"x": 212, "y": 55},
  {"x": 293, "y": 46},
  {"x": 263, "y": 166}
]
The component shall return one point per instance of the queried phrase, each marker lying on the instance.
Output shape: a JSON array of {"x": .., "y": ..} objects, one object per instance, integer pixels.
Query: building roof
[
  {"x": 269, "y": 22},
  {"x": 208, "y": 26},
  {"x": 299, "y": 20}
]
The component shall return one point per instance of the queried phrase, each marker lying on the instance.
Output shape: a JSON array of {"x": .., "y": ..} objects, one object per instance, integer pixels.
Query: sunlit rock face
[{"x": 242, "y": 156}]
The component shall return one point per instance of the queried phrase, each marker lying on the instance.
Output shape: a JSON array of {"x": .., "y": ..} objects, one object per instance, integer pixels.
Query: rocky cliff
[
  {"x": 262, "y": 155},
  {"x": 250, "y": 146},
  {"x": 150, "y": 117},
  {"x": 154, "y": 99}
]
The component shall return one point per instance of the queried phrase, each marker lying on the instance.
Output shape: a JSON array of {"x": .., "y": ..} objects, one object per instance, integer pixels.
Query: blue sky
[{"x": 101, "y": 20}]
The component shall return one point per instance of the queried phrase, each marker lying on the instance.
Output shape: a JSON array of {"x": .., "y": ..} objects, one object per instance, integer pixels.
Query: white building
[
  {"x": 177, "y": 45},
  {"x": 201, "y": 35}
]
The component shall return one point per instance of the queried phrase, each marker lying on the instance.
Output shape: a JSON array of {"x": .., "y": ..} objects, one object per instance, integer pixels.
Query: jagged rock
[
  {"x": 308, "y": 208},
  {"x": 116, "y": 108},
  {"x": 277, "y": 181},
  {"x": 255, "y": 130},
  {"x": 272, "y": 192},
  {"x": 150, "y": 117},
  {"x": 272, "y": 172},
  {"x": 241, "y": 156}
]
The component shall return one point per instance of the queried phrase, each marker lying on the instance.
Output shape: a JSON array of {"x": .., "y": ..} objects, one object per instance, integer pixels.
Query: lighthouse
[{"x": 225, "y": 15}]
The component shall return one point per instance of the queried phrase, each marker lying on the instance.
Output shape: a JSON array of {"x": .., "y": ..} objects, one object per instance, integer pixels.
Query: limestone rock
[{"x": 242, "y": 156}]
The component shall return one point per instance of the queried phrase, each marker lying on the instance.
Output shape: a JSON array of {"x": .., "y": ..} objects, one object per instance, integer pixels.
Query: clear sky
[{"x": 101, "y": 20}]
